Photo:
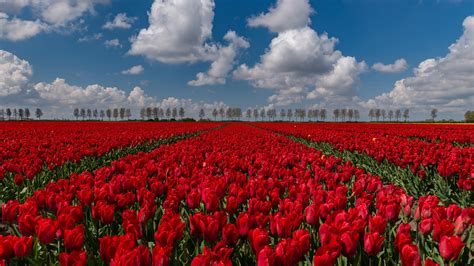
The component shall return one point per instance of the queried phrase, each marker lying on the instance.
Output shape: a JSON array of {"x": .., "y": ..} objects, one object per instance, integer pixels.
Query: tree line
[
  {"x": 230, "y": 113},
  {"x": 19, "y": 114},
  {"x": 110, "y": 113}
]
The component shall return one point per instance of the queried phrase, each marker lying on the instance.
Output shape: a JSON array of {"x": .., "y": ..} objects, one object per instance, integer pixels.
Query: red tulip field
[{"x": 235, "y": 193}]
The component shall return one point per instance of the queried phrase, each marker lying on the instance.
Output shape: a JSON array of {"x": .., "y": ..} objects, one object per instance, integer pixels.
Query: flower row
[
  {"x": 237, "y": 194},
  {"x": 452, "y": 162}
]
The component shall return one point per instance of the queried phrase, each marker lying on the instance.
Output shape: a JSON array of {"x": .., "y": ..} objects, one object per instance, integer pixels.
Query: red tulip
[
  {"x": 442, "y": 228},
  {"x": 74, "y": 239},
  {"x": 373, "y": 243},
  {"x": 46, "y": 230},
  {"x": 430, "y": 262},
  {"x": 230, "y": 234},
  {"x": 377, "y": 224},
  {"x": 410, "y": 255},
  {"x": 258, "y": 239},
  {"x": 243, "y": 224},
  {"x": 26, "y": 224},
  {"x": 450, "y": 247},
  {"x": 76, "y": 258},
  {"x": 23, "y": 246},
  {"x": 266, "y": 257},
  {"x": 6, "y": 247},
  {"x": 311, "y": 215},
  {"x": 349, "y": 242},
  {"x": 10, "y": 211},
  {"x": 426, "y": 225},
  {"x": 161, "y": 256}
]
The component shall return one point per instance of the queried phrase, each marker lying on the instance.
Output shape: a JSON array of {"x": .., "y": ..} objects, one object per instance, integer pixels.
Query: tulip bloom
[
  {"x": 450, "y": 247},
  {"x": 373, "y": 243}
]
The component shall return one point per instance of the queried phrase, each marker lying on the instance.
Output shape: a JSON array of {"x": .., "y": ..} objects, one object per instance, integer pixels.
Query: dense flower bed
[
  {"x": 28, "y": 147},
  {"x": 235, "y": 195},
  {"x": 450, "y": 161}
]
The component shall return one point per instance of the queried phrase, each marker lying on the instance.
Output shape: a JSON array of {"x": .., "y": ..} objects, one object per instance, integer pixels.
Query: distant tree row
[
  {"x": 160, "y": 113},
  {"x": 19, "y": 114},
  {"x": 270, "y": 113},
  {"x": 110, "y": 113},
  {"x": 346, "y": 114},
  {"x": 390, "y": 114}
]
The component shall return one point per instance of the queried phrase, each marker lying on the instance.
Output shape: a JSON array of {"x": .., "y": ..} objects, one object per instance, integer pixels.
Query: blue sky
[{"x": 367, "y": 32}]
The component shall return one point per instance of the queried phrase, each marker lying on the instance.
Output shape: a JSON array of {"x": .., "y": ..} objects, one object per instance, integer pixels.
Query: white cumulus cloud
[
  {"x": 134, "y": 70},
  {"x": 398, "y": 66},
  {"x": 446, "y": 83},
  {"x": 15, "y": 29},
  {"x": 47, "y": 15},
  {"x": 121, "y": 21},
  {"x": 224, "y": 62},
  {"x": 287, "y": 14},
  {"x": 14, "y": 73},
  {"x": 299, "y": 62},
  {"x": 178, "y": 32},
  {"x": 112, "y": 43}
]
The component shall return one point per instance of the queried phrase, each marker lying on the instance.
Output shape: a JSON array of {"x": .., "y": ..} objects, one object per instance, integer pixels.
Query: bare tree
[
  {"x": 2, "y": 114},
  {"x": 38, "y": 113},
  {"x": 181, "y": 112},
  {"x": 378, "y": 113},
  {"x": 215, "y": 113},
  {"x": 89, "y": 113},
  {"x": 350, "y": 114},
  {"x": 356, "y": 115},
  {"x": 398, "y": 114},
  {"x": 289, "y": 114},
  {"x": 128, "y": 113},
  {"x": 336, "y": 114},
  {"x": 202, "y": 114},
  {"x": 343, "y": 114},
  {"x": 248, "y": 114},
  {"x": 434, "y": 113},
  {"x": 282, "y": 114},
  {"x": 383, "y": 113},
  {"x": 262, "y": 114},
  {"x": 122, "y": 113},
  {"x": 323, "y": 113},
  {"x": 83, "y": 113},
  {"x": 255, "y": 114},
  {"x": 222, "y": 112},
  {"x": 76, "y": 113},
  {"x": 155, "y": 112},
  {"x": 161, "y": 113},
  {"x": 302, "y": 114},
  {"x": 371, "y": 114},
  {"x": 390, "y": 115},
  {"x": 115, "y": 113},
  {"x": 27, "y": 113},
  {"x": 95, "y": 113},
  {"x": 174, "y": 112},
  {"x": 9, "y": 113},
  {"x": 102, "y": 114},
  {"x": 142, "y": 113},
  {"x": 21, "y": 113},
  {"x": 149, "y": 113},
  {"x": 406, "y": 114},
  {"x": 109, "y": 113}
]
